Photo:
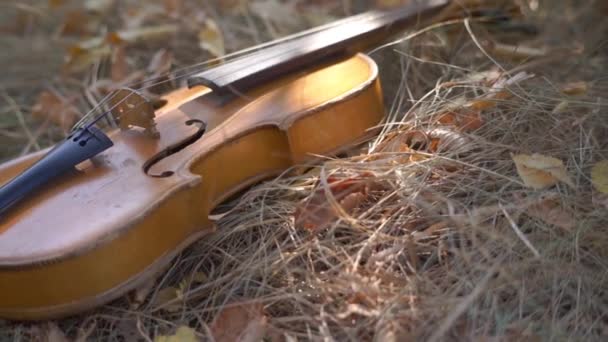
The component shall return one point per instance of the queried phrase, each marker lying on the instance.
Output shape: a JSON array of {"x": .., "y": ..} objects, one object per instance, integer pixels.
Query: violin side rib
[{"x": 93, "y": 237}]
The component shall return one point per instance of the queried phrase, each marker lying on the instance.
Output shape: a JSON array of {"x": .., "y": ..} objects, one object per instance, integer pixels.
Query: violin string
[
  {"x": 232, "y": 57},
  {"x": 200, "y": 66},
  {"x": 367, "y": 16}
]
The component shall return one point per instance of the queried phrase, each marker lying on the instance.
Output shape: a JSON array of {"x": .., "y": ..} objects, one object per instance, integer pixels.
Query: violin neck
[{"x": 294, "y": 52}]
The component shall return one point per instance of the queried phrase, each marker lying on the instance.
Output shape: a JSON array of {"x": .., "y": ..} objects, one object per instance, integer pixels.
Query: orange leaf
[
  {"x": 76, "y": 23},
  {"x": 482, "y": 104},
  {"x": 240, "y": 322},
  {"x": 448, "y": 118},
  {"x": 56, "y": 109},
  {"x": 316, "y": 213},
  {"x": 470, "y": 121},
  {"x": 575, "y": 88}
]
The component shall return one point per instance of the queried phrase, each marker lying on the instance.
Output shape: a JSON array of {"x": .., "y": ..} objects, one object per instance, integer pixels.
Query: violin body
[
  {"x": 99, "y": 214},
  {"x": 118, "y": 220}
]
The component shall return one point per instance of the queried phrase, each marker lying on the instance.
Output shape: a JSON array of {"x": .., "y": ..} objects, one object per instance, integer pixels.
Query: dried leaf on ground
[
  {"x": 560, "y": 107},
  {"x": 599, "y": 176},
  {"x": 316, "y": 212},
  {"x": 78, "y": 22},
  {"x": 575, "y": 88},
  {"x": 551, "y": 211},
  {"x": 465, "y": 120},
  {"x": 168, "y": 299},
  {"x": 244, "y": 322},
  {"x": 182, "y": 334},
  {"x": 539, "y": 171},
  {"x": 78, "y": 58},
  {"x": 55, "y": 108},
  {"x": 211, "y": 39}
]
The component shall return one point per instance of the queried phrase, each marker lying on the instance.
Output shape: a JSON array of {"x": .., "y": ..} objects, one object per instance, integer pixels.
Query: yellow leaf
[
  {"x": 168, "y": 299},
  {"x": 183, "y": 334},
  {"x": 539, "y": 171},
  {"x": 199, "y": 277},
  {"x": 211, "y": 39},
  {"x": 240, "y": 322},
  {"x": 79, "y": 58},
  {"x": 599, "y": 176}
]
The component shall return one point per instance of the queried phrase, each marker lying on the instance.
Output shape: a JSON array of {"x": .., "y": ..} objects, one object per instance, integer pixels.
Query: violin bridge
[{"x": 131, "y": 108}]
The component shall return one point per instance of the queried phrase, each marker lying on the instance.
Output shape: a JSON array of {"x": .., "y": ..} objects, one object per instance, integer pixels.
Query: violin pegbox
[{"x": 131, "y": 108}]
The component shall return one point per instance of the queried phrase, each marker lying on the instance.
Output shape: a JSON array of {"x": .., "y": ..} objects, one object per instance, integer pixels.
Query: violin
[{"x": 103, "y": 211}]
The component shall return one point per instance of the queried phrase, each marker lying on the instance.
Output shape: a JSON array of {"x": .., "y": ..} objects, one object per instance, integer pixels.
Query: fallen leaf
[
  {"x": 599, "y": 176},
  {"x": 244, "y": 322},
  {"x": 211, "y": 39},
  {"x": 316, "y": 212},
  {"x": 182, "y": 334},
  {"x": 78, "y": 59},
  {"x": 560, "y": 107},
  {"x": 55, "y": 108},
  {"x": 465, "y": 119},
  {"x": 470, "y": 121},
  {"x": 199, "y": 277},
  {"x": 575, "y": 88},
  {"x": 481, "y": 104},
  {"x": 551, "y": 211},
  {"x": 539, "y": 171},
  {"x": 443, "y": 139},
  {"x": 168, "y": 299},
  {"x": 77, "y": 22}
]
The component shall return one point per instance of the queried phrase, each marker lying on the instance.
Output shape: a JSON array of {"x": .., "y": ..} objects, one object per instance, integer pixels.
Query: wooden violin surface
[{"x": 101, "y": 231}]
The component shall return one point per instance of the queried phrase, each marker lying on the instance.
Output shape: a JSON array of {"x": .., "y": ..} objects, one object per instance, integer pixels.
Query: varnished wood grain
[{"x": 94, "y": 235}]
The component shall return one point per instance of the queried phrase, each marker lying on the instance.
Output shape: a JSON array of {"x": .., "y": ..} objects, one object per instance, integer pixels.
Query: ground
[{"x": 478, "y": 213}]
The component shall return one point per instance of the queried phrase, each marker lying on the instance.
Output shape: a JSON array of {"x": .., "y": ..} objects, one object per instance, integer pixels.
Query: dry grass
[{"x": 443, "y": 247}]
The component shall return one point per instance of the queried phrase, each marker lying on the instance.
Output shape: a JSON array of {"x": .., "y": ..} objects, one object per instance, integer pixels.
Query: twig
[{"x": 519, "y": 233}]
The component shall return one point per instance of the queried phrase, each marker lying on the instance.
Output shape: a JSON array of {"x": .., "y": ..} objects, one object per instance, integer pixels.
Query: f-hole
[{"x": 172, "y": 149}]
